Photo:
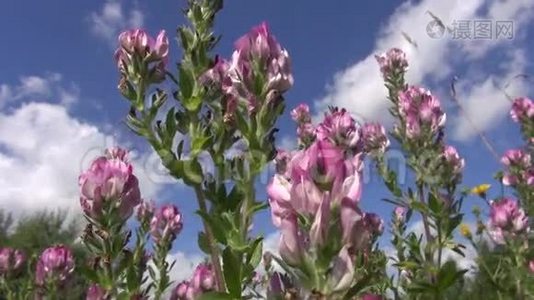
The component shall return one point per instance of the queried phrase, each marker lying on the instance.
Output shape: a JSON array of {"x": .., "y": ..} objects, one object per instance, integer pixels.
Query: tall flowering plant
[
  {"x": 437, "y": 168},
  {"x": 326, "y": 242},
  {"x": 328, "y": 246},
  {"x": 508, "y": 229}
]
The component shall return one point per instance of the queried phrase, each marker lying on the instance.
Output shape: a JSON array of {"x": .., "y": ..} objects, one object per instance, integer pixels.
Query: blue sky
[{"x": 59, "y": 105}]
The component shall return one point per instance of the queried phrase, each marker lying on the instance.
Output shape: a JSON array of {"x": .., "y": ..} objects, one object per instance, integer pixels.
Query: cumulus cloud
[
  {"x": 43, "y": 149},
  {"x": 360, "y": 88},
  {"x": 113, "y": 18},
  {"x": 48, "y": 87}
]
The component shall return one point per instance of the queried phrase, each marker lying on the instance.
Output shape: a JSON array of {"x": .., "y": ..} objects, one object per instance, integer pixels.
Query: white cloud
[
  {"x": 43, "y": 150},
  {"x": 360, "y": 89},
  {"x": 40, "y": 88},
  {"x": 114, "y": 18},
  {"x": 485, "y": 102}
]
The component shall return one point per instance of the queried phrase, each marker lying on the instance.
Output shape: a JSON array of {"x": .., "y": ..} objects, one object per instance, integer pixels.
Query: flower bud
[
  {"x": 455, "y": 164},
  {"x": 399, "y": 214},
  {"x": 393, "y": 61},
  {"x": 301, "y": 114},
  {"x": 145, "y": 211}
]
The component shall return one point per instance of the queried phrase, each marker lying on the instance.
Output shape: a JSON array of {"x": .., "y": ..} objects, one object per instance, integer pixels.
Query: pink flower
[
  {"x": 372, "y": 297},
  {"x": 359, "y": 228},
  {"x": 340, "y": 128},
  {"x": 109, "y": 186},
  {"x": 145, "y": 211},
  {"x": 531, "y": 266},
  {"x": 454, "y": 162},
  {"x": 116, "y": 153},
  {"x": 11, "y": 261},
  {"x": 306, "y": 133},
  {"x": 393, "y": 61},
  {"x": 326, "y": 164},
  {"x": 137, "y": 43},
  {"x": 292, "y": 243},
  {"x": 522, "y": 109},
  {"x": 160, "y": 48},
  {"x": 506, "y": 218},
  {"x": 95, "y": 292},
  {"x": 399, "y": 214},
  {"x": 166, "y": 223},
  {"x": 282, "y": 160},
  {"x": 203, "y": 278},
  {"x": 259, "y": 47},
  {"x": 301, "y": 114},
  {"x": 421, "y": 111},
  {"x": 321, "y": 224},
  {"x": 374, "y": 138},
  {"x": 342, "y": 274},
  {"x": 55, "y": 264},
  {"x": 182, "y": 291},
  {"x": 516, "y": 157}
]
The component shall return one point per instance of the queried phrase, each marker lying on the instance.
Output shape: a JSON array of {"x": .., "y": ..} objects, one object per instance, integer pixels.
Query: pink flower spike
[{"x": 55, "y": 263}]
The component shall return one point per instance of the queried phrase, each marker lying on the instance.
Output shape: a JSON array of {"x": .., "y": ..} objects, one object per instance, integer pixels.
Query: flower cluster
[
  {"x": 109, "y": 187},
  {"x": 305, "y": 129},
  {"x": 319, "y": 194},
  {"x": 166, "y": 224},
  {"x": 55, "y": 266},
  {"x": 393, "y": 61},
  {"x": 520, "y": 169},
  {"x": 138, "y": 51},
  {"x": 522, "y": 110},
  {"x": 259, "y": 69},
  {"x": 421, "y": 112},
  {"x": 374, "y": 138},
  {"x": 507, "y": 220},
  {"x": 11, "y": 261},
  {"x": 340, "y": 128},
  {"x": 454, "y": 164},
  {"x": 203, "y": 281}
]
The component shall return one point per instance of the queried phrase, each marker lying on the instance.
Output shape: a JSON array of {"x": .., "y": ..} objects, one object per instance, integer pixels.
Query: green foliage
[{"x": 35, "y": 232}]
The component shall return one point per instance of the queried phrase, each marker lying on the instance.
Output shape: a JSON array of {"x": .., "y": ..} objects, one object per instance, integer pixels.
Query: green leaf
[
  {"x": 186, "y": 83},
  {"x": 434, "y": 204},
  {"x": 448, "y": 275},
  {"x": 232, "y": 272},
  {"x": 216, "y": 226},
  {"x": 192, "y": 172},
  {"x": 418, "y": 206},
  {"x": 170, "y": 126},
  {"x": 256, "y": 252}
]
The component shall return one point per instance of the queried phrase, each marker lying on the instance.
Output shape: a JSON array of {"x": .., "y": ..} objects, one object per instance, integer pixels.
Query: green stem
[{"x": 214, "y": 249}]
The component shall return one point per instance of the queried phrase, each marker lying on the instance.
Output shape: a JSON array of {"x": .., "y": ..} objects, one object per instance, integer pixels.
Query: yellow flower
[
  {"x": 465, "y": 230},
  {"x": 480, "y": 189}
]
